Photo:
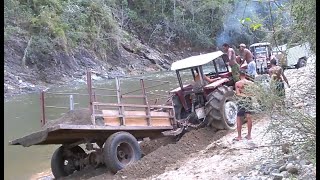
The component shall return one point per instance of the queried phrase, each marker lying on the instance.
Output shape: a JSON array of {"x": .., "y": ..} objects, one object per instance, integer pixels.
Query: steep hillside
[{"x": 54, "y": 41}]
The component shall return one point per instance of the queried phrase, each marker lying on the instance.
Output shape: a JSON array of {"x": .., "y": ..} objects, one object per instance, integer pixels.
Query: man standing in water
[
  {"x": 244, "y": 105},
  {"x": 248, "y": 57},
  {"x": 235, "y": 67},
  {"x": 277, "y": 74}
]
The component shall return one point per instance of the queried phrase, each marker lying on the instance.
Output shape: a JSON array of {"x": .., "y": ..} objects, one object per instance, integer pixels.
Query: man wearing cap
[
  {"x": 248, "y": 57},
  {"x": 235, "y": 67}
]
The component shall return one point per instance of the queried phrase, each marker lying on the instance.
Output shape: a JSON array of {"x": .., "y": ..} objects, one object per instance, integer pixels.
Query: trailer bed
[
  {"x": 66, "y": 133},
  {"x": 146, "y": 118}
]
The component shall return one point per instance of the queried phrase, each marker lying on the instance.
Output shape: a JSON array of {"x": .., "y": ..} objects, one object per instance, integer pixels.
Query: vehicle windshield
[
  {"x": 186, "y": 75},
  {"x": 209, "y": 67},
  {"x": 261, "y": 53},
  {"x": 260, "y": 49}
]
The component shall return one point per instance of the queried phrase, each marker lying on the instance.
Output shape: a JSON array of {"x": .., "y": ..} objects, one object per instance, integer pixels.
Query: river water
[{"x": 22, "y": 116}]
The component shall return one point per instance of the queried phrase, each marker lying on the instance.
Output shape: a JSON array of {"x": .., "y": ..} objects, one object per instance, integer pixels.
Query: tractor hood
[{"x": 195, "y": 60}]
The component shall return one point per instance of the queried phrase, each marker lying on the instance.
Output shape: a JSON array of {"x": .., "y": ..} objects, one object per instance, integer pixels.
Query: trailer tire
[
  {"x": 121, "y": 149},
  {"x": 219, "y": 102},
  {"x": 58, "y": 167}
]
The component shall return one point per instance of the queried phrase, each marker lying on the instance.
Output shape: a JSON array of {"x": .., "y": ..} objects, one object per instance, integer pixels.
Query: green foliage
[
  {"x": 197, "y": 22},
  {"x": 97, "y": 24},
  {"x": 255, "y": 26},
  {"x": 304, "y": 13},
  {"x": 63, "y": 23}
]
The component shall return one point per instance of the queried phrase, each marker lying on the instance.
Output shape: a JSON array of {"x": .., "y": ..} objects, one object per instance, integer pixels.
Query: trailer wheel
[
  {"x": 64, "y": 163},
  {"x": 221, "y": 109},
  {"x": 121, "y": 149}
]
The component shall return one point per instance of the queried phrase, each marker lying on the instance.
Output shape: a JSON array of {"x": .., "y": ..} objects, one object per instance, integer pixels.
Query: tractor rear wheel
[{"x": 221, "y": 109}]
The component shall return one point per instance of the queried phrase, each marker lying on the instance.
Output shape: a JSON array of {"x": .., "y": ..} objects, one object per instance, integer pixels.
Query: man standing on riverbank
[
  {"x": 277, "y": 76},
  {"x": 248, "y": 57},
  {"x": 235, "y": 67},
  {"x": 244, "y": 105}
]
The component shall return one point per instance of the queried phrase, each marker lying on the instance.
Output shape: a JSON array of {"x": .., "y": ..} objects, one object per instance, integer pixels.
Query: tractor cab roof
[
  {"x": 260, "y": 44},
  {"x": 194, "y": 61}
]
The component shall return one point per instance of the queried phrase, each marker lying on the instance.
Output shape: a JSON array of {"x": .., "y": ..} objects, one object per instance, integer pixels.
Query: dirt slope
[{"x": 222, "y": 158}]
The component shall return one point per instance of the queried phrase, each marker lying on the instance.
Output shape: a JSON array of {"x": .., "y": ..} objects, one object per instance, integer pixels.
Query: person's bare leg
[
  {"x": 239, "y": 125},
  {"x": 249, "y": 124}
]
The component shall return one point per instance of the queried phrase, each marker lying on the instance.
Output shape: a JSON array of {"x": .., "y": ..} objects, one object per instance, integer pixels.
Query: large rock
[
  {"x": 277, "y": 176},
  {"x": 285, "y": 174},
  {"x": 282, "y": 168},
  {"x": 291, "y": 168}
]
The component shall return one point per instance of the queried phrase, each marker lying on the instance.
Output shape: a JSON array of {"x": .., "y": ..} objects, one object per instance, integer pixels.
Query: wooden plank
[
  {"x": 145, "y": 101},
  {"x": 104, "y": 89},
  {"x": 121, "y": 108},
  {"x": 128, "y": 105},
  {"x": 97, "y": 127},
  {"x": 155, "y": 121},
  {"x": 111, "y": 117},
  {"x": 136, "y": 118},
  {"x": 135, "y": 121},
  {"x": 132, "y": 96},
  {"x": 115, "y": 113}
]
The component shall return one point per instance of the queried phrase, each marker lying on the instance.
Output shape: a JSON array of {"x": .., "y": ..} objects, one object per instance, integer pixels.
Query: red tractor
[{"x": 199, "y": 102}]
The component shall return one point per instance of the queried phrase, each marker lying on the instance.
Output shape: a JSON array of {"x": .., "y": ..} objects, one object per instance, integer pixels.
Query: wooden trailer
[{"x": 111, "y": 131}]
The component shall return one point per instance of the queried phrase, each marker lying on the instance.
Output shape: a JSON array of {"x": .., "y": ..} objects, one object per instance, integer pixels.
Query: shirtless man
[
  {"x": 277, "y": 76},
  {"x": 206, "y": 78},
  {"x": 235, "y": 67},
  {"x": 248, "y": 57},
  {"x": 274, "y": 57},
  {"x": 239, "y": 60},
  {"x": 244, "y": 105}
]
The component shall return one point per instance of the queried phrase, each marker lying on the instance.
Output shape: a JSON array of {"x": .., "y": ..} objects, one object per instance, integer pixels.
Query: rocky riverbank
[{"x": 287, "y": 167}]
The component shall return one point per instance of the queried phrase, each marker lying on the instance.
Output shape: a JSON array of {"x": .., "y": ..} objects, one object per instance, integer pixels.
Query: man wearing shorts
[
  {"x": 244, "y": 105},
  {"x": 277, "y": 76},
  {"x": 235, "y": 67},
  {"x": 248, "y": 57}
]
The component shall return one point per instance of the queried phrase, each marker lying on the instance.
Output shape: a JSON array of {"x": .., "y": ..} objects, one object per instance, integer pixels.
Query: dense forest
[{"x": 51, "y": 41}]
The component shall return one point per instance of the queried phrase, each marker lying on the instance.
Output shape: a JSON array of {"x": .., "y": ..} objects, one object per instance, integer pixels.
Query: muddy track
[
  {"x": 159, "y": 154},
  {"x": 157, "y": 161}
]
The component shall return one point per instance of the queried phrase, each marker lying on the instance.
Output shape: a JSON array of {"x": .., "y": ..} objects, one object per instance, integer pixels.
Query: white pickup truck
[{"x": 294, "y": 57}]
